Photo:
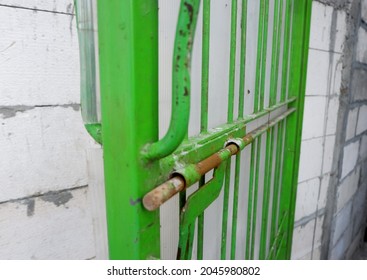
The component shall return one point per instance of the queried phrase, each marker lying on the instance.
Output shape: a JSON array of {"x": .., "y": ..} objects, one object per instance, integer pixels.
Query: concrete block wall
[
  {"x": 348, "y": 210},
  {"x": 328, "y": 31},
  {"x": 331, "y": 199},
  {"x": 44, "y": 196}
]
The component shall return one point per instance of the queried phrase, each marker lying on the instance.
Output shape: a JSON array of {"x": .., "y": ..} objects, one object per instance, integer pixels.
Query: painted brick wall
[
  {"x": 44, "y": 209},
  {"x": 331, "y": 197}
]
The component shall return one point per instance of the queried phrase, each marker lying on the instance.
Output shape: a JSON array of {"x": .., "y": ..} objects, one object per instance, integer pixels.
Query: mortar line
[
  {"x": 35, "y": 9},
  {"x": 43, "y": 194}
]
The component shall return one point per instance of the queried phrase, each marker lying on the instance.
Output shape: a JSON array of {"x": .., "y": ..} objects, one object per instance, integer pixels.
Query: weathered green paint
[
  {"x": 136, "y": 162},
  {"x": 178, "y": 127},
  {"x": 196, "y": 204},
  {"x": 128, "y": 48},
  {"x": 202, "y": 146}
]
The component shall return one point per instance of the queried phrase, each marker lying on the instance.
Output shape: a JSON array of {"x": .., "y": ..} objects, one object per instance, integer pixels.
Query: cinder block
[
  {"x": 361, "y": 52},
  {"x": 351, "y": 124},
  {"x": 39, "y": 58},
  {"x": 364, "y": 10},
  {"x": 338, "y": 252},
  {"x": 363, "y": 151},
  {"x": 328, "y": 153},
  {"x": 332, "y": 116},
  {"x": 52, "y": 226},
  {"x": 318, "y": 231},
  {"x": 323, "y": 190},
  {"x": 323, "y": 73},
  {"x": 42, "y": 149},
  {"x": 362, "y": 119},
  {"x": 314, "y": 117},
  {"x": 322, "y": 29},
  {"x": 350, "y": 158},
  {"x": 311, "y": 159},
  {"x": 342, "y": 222},
  {"x": 359, "y": 208},
  {"x": 302, "y": 240},
  {"x": 307, "y": 195},
  {"x": 347, "y": 189},
  {"x": 64, "y": 6},
  {"x": 359, "y": 84}
]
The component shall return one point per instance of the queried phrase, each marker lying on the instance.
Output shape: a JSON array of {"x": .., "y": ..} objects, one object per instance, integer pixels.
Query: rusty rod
[{"x": 155, "y": 198}]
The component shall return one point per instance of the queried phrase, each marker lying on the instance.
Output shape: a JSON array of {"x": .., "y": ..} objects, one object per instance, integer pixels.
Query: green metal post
[
  {"x": 128, "y": 48},
  {"x": 297, "y": 85}
]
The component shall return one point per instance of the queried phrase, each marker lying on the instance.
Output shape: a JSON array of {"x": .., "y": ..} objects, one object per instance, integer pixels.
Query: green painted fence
[{"x": 142, "y": 172}]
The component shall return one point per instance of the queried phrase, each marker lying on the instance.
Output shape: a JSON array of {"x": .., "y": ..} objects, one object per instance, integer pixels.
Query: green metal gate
[{"x": 142, "y": 172}]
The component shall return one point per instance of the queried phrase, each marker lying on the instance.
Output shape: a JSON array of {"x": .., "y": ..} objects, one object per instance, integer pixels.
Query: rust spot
[
  {"x": 208, "y": 164},
  {"x": 186, "y": 91},
  {"x": 190, "y": 10}
]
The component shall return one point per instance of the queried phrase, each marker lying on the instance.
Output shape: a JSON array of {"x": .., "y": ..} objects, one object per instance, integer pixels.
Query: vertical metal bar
[
  {"x": 264, "y": 55},
  {"x": 266, "y": 194},
  {"x": 286, "y": 53},
  {"x": 259, "y": 55},
  {"x": 223, "y": 252},
  {"x": 205, "y": 66},
  {"x": 128, "y": 50},
  {"x": 278, "y": 161},
  {"x": 242, "y": 59},
  {"x": 235, "y": 206},
  {"x": 232, "y": 61},
  {"x": 277, "y": 24},
  {"x": 204, "y": 107},
  {"x": 256, "y": 190},
  {"x": 297, "y": 84},
  {"x": 250, "y": 201},
  {"x": 200, "y": 241}
]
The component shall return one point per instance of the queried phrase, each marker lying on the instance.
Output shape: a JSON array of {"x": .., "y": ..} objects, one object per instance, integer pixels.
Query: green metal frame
[{"x": 142, "y": 172}]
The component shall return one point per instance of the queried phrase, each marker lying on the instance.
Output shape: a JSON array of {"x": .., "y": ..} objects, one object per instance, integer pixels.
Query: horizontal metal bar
[
  {"x": 202, "y": 146},
  {"x": 192, "y": 173}
]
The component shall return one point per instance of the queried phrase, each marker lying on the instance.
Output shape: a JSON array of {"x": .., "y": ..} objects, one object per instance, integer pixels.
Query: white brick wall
[
  {"x": 53, "y": 226},
  {"x": 44, "y": 203},
  {"x": 61, "y": 6},
  {"x": 362, "y": 119},
  {"x": 321, "y": 28},
  {"x": 328, "y": 30},
  {"x": 351, "y": 124},
  {"x": 350, "y": 158},
  {"x": 361, "y": 52},
  {"x": 364, "y": 10}
]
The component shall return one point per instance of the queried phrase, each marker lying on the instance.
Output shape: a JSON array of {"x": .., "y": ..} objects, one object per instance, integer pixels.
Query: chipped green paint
[
  {"x": 136, "y": 162},
  {"x": 178, "y": 127}
]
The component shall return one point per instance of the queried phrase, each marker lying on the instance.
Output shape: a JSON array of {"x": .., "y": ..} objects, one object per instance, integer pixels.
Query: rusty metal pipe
[{"x": 186, "y": 177}]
